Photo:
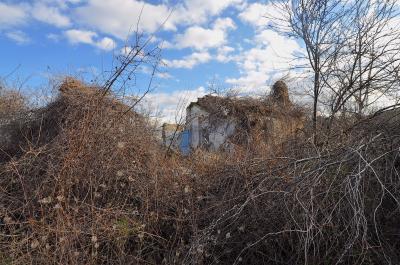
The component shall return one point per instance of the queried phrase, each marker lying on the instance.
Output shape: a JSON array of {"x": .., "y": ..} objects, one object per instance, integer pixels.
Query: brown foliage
[
  {"x": 84, "y": 185},
  {"x": 11, "y": 103},
  {"x": 91, "y": 185}
]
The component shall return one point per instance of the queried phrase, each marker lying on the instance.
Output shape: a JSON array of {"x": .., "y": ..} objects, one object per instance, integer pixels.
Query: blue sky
[{"x": 203, "y": 40}]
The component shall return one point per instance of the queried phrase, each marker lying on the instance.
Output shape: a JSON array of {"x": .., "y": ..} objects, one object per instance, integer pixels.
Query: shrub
[{"x": 88, "y": 183}]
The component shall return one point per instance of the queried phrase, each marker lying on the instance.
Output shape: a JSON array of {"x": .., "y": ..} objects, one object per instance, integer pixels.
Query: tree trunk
[{"x": 315, "y": 104}]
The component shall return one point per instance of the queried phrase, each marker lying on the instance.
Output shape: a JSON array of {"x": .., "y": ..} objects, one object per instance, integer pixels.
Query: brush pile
[
  {"x": 338, "y": 205},
  {"x": 84, "y": 181}
]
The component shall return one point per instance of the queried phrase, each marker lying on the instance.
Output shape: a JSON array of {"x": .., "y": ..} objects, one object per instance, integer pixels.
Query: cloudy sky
[{"x": 221, "y": 41}]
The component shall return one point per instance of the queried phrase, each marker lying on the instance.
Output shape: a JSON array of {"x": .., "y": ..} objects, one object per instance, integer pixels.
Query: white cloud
[
  {"x": 212, "y": 7},
  {"x": 49, "y": 14},
  {"x": 60, "y": 4},
  {"x": 254, "y": 14},
  {"x": 75, "y": 36},
  {"x": 224, "y": 24},
  {"x": 12, "y": 15},
  {"x": 259, "y": 15},
  {"x": 53, "y": 37},
  {"x": 172, "y": 105},
  {"x": 201, "y": 38},
  {"x": 200, "y": 11},
  {"x": 224, "y": 54},
  {"x": 164, "y": 75},
  {"x": 106, "y": 44},
  {"x": 18, "y": 36},
  {"x": 119, "y": 17},
  {"x": 189, "y": 61},
  {"x": 271, "y": 58}
]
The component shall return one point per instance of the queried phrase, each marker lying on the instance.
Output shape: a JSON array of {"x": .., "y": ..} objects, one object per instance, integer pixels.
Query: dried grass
[{"x": 89, "y": 184}]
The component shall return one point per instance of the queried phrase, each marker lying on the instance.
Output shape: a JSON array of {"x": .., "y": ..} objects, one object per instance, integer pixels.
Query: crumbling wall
[
  {"x": 220, "y": 122},
  {"x": 216, "y": 133},
  {"x": 207, "y": 130},
  {"x": 280, "y": 94},
  {"x": 195, "y": 123}
]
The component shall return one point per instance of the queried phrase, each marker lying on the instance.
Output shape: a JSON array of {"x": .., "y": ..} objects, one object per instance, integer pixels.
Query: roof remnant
[
  {"x": 244, "y": 106},
  {"x": 268, "y": 119}
]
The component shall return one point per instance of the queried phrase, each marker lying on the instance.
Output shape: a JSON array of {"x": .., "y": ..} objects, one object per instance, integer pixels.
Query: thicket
[{"x": 83, "y": 180}]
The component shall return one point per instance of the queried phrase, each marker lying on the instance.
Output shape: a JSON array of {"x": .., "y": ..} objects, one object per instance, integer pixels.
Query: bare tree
[
  {"x": 368, "y": 62},
  {"x": 352, "y": 49},
  {"x": 139, "y": 51},
  {"x": 128, "y": 63},
  {"x": 318, "y": 24}
]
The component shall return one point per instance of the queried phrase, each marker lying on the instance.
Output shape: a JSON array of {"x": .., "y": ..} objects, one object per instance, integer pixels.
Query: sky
[{"x": 204, "y": 42}]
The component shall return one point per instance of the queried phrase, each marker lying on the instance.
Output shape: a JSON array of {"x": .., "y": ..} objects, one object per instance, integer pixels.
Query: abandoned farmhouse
[{"x": 220, "y": 123}]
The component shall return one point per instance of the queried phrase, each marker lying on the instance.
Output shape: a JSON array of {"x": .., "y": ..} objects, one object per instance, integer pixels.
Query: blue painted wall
[{"x": 185, "y": 142}]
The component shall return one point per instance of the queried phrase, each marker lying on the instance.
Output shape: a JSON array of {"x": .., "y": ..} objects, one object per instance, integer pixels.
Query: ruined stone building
[{"x": 219, "y": 123}]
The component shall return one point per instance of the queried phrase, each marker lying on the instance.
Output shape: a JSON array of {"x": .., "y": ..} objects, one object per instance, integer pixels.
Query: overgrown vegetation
[{"x": 84, "y": 181}]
